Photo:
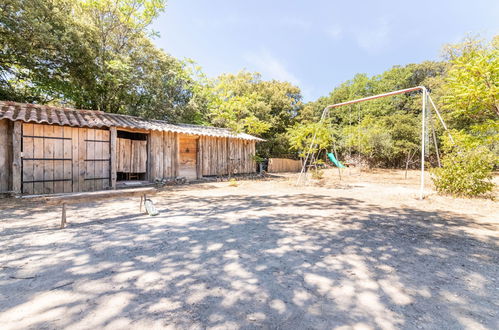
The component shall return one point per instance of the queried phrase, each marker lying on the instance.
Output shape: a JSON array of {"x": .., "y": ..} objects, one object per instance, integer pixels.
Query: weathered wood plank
[
  {"x": 75, "y": 144},
  {"x": 67, "y": 154},
  {"x": 58, "y": 154},
  {"x": 106, "y": 154},
  {"x": 90, "y": 166},
  {"x": 199, "y": 160},
  {"x": 141, "y": 150},
  {"x": 176, "y": 154},
  {"x": 114, "y": 155},
  {"x": 16, "y": 157},
  {"x": 5, "y": 155},
  {"x": 167, "y": 165},
  {"x": 48, "y": 165},
  {"x": 99, "y": 165},
  {"x": 38, "y": 152},
  {"x": 28, "y": 165},
  {"x": 157, "y": 166},
  {"x": 159, "y": 152},
  {"x": 138, "y": 156},
  {"x": 82, "y": 154},
  {"x": 120, "y": 156},
  {"x": 127, "y": 155},
  {"x": 97, "y": 195},
  {"x": 132, "y": 156},
  {"x": 277, "y": 165}
]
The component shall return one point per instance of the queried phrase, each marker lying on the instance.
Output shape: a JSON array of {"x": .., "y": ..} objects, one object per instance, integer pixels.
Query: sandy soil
[{"x": 360, "y": 253}]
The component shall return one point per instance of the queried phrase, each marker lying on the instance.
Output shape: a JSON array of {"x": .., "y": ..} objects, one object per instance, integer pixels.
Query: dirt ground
[{"x": 360, "y": 253}]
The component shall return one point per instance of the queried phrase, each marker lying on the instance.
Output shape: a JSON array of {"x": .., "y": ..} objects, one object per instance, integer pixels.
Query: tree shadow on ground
[{"x": 287, "y": 261}]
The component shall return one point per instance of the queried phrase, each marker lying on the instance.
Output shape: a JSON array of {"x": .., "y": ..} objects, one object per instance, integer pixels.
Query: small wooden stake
[
  {"x": 63, "y": 216},
  {"x": 142, "y": 200}
]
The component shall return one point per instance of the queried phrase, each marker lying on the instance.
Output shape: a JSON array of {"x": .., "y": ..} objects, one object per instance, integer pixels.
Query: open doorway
[
  {"x": 188, "y": 152},
  {"x": 131, "y": 157}
]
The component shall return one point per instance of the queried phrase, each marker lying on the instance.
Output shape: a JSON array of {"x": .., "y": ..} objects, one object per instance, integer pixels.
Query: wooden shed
[{"x": 46, "y": 149}]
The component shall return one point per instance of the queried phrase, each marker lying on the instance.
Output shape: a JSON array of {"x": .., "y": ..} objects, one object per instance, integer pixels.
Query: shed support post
[
  {"x": 177, "y": 154},
  {"x": 16, "y": 157},
  {"x": 63, "y": 216},
  {"x": 199, "y": 158},
  {"x": 113, "y": 139}
]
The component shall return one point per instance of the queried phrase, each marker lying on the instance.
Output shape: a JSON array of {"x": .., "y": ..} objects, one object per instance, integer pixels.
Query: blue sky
[{"x": 317, "y": 44}]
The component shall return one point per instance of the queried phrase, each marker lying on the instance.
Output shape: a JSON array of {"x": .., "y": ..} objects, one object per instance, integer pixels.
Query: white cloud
[
  {"x": 270, "y": 66},
  {"x": 335, "y": 32},
  {"x": 373, "y": 39}
]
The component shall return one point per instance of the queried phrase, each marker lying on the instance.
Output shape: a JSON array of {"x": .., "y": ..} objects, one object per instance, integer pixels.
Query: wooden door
[
  {"x": 132, "y": 156},
  {"x": 188, "y": 150},
  {"x": 47, "y": 162},
  {"x": 97, "y": 160},
  {"x": 139, "y": 156},
  {"x": 58, "y": 159}
]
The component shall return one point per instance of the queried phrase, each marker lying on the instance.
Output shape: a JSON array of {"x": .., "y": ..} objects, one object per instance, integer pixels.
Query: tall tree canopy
[
  {"x": 472, "y": 82},
  {"x": 470, "y": 93},
  {"x": 94, "y": 54},
  {"x": 245, "y": 102}
]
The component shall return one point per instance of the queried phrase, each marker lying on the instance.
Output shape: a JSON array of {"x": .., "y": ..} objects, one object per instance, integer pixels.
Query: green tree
[
  {"x": 43, "y": 47},
  {"x": 470, "y": 93},
  {"x": 472, "y": 82},
  {"x": 467, "y": 169},
  {"x": 246, "y": 103},
  {"x": 312, "y": 136},
  {"x": 95, "y": 55}
]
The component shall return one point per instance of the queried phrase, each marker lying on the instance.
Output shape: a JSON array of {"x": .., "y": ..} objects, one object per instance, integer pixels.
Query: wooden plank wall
[
  {"x": 214, "y": 156},
  {"x": 277, "y": 165},
  {"x": 221, "y": 156},
  {"x": 68, "y": 159},
  {"x": 163, "y": 155},
  {"x": 16, "y": 157},
  {"x": 78, "y": 157},
  {"x": 124, "y": 152},
  {"x": 5, "y": 155},
  {"x": 241, "y": 156},
  {"x": 139, "y": 156},
  {"x": 113, "y": 136}
]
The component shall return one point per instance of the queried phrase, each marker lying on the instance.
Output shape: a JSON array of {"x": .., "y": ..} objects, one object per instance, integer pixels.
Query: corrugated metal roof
[{"x": 92, "y": 118}]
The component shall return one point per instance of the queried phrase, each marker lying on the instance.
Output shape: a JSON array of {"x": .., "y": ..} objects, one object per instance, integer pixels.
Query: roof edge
[{"x": 64, "y": 116}]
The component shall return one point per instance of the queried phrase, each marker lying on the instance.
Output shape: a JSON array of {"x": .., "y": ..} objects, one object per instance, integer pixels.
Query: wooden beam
[
  {"x": 134, "y": 130},
  {"x": 228, "y": 156},
  {"x": 177, "y": 154},
  {"x": 5, "y": 155},
  {"x": 149, "y": 162},
  {"x": 16, "y": 157},
  {"x": 113, "y": 150},
  {"x": 63, "y": 216},
  {"x": 74, "y": 198},
  {"x": 199, "y": 158}
]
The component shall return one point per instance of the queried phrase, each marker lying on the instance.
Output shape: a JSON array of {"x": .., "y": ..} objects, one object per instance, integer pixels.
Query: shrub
[
  {"x": 317, "y": 174},
  {"x": 465, "y": 173}
]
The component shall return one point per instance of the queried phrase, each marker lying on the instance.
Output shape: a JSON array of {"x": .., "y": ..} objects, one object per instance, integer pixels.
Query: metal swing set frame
[{"x": 426, "y": 98}]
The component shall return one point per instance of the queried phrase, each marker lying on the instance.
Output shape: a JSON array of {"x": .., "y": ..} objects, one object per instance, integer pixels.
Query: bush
[
  {"x": 233, "y": 182},
  {"x": 317, "y": 174},
  {"x": 465, "y": 173}
]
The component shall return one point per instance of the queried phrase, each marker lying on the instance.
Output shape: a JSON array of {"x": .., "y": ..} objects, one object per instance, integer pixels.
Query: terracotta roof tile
[{"x": 91, "y": 118}]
